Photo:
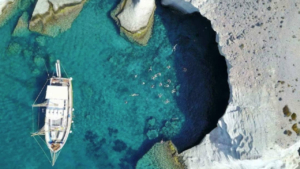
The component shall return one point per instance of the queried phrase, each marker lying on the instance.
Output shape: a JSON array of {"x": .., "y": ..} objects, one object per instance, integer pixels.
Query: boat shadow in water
[
  {"x": 201, "y": 72},
  {"x": 39, "y": 113},
  {"x": 41, "y": 83}
]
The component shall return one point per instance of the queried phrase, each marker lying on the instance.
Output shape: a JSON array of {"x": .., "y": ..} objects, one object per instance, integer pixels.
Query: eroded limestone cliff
[{"x": 260, "y": 41}]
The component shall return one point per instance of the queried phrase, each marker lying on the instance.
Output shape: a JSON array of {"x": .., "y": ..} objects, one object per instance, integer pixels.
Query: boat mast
[{"x": 58, "y": 72}]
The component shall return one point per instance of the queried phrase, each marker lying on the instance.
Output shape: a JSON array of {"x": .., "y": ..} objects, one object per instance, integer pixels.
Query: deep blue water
[{"x": 110, "y": 125}]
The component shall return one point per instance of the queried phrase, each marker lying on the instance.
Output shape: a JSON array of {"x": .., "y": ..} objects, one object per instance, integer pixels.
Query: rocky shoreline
[
  {"x": 259, "y": 41},
  {"x": 7, "y": 9}
]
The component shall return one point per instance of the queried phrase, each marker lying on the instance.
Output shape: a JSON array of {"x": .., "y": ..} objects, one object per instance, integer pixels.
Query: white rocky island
[
  {"x": 135, "y": 18},
  {"x": 260, "y": 41},
  {"x": 51, "y": 17}
]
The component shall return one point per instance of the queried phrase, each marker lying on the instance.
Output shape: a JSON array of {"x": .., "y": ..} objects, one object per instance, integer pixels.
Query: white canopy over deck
[{"x": 57, "y": 92}]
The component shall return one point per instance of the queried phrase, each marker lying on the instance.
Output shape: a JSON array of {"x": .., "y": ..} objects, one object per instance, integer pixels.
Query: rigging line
[
  {"x": 46, "y": 68},
  {"x": 42, "y": 150},
  {"x": 64, "y": 70},
  {"x": 55, "y": 156},
  {"x": 40, "y": 92},
  {"x": 39, "y": 119},
  {"x": 42, "y": 139},
  {"x": 32, "y": 119}
]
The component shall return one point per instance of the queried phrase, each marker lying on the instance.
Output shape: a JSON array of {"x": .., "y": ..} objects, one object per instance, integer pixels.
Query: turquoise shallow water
[{"x": 110, "y": 125}]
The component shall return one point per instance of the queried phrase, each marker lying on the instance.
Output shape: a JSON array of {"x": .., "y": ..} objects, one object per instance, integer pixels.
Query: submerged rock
[
  {"x": 135, "y": 19},
  {"x": 21, "y": 29},
  {"x": 41, "y": 40},
  {"x": 14, "y": 49},
  {"x": 36, "y": 72},
  {"x": 152, "y": 134},
  {"x": 151, "y": 123},
  {"x": 27, "y": 54},
  {"x": 171, "y": 128},
  {"x": 54, "y": 16},
  {"x": 39, "y": 61},
  {"x": 161, "y": 156}
]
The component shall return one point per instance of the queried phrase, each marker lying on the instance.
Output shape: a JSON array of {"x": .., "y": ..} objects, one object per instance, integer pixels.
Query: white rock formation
[
  {"x": 51, "y": 17},
  {"x": 135, "y": 18},
  {"x": 261, "y": 43},
  {"x": 3, "y": 4},
  {"x": 42, "y": 6},
  {"x": 136, "y": 15}
]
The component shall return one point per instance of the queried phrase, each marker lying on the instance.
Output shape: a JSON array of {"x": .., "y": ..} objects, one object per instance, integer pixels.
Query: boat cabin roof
[{"x": 57, "y": 92}]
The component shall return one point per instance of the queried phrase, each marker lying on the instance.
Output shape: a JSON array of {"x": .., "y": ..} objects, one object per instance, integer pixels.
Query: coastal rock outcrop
[
  {"x": 51, "y": 17},
  {"x": 135, "y": 18},
  {"x": 161, "y": 155},
  {"x": 260, "y": 41},
  {"x": 7, "y": 9}
]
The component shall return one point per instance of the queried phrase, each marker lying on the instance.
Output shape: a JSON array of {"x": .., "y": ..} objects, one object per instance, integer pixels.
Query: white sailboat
[{"x": 58, "y": 117}]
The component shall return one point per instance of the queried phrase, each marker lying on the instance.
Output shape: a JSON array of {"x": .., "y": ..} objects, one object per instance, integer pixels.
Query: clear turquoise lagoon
[{"x": 176, "y": 86}]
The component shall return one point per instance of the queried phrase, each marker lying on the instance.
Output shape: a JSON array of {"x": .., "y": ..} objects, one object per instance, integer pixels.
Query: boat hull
[{"x": 59, "y": 113}]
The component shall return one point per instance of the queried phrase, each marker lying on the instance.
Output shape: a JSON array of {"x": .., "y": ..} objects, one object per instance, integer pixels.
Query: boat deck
[{"x": 59, "y": 115}]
